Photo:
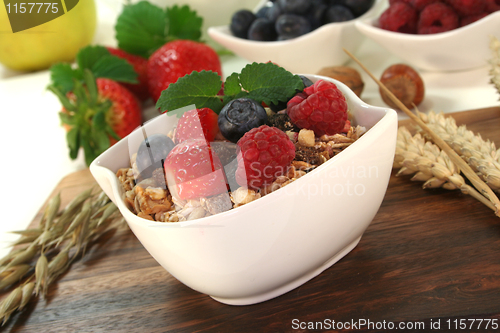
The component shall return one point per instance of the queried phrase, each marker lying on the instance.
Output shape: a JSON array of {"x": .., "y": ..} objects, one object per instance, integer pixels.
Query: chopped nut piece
[
  {"x": 243, "y": 196},
  {"x": 301, "y": 165},
  {"x": 306, "y": 138}
]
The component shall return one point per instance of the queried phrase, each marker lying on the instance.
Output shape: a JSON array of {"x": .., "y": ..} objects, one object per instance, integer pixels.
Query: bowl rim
[
  {"x": 223, "y": 30},
  {"x": 209, "y": 220},
  {"x": 371, "y": 24}
]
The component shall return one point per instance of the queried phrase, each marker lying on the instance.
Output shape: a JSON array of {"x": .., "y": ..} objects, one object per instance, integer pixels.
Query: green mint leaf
[
  {"x": 141, "y": 28},
  {"x": 89, "y": 55},
  {"x": 268, "y": 83},
  {"x": 115, "y": 68},
  {"x": 62, "y": 77},
  {"x": 232, "y": 85},
  {"x": 198, "y": 88},
  {"x": 183, "y": 23}
]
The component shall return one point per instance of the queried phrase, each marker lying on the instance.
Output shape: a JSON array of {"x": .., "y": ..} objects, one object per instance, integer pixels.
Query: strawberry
[
  {"x": 193, "y": 171},
  {"x": 197, "y": 124},
  {"x": 139, "y": 63},
  {"x": 125, "y": 113},
  {"x": 96, "y": 109},
  {"x": 176, "y": 59}
]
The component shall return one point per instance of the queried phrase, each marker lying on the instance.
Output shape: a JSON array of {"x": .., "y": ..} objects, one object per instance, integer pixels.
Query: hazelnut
[
  {"x": 347, "y": 75},
  {"x": 405, "y": 83}
]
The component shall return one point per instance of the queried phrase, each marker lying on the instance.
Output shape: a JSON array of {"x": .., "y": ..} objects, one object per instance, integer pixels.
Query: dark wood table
[{"x": 429, "y": 257}]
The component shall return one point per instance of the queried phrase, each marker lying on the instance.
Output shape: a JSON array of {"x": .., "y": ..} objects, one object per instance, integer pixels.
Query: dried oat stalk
[{"x": 43, "y": 253}]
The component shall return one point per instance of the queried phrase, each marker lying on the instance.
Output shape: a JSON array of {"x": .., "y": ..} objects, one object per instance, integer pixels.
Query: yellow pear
[{"x": 54, "y": 41}]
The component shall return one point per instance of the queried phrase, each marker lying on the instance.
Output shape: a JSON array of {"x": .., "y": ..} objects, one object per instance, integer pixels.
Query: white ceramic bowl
[
  {"x": 460, "y": 49},
  {"x": 274, "y": 244},
  {"x": 309, "y": 53}
]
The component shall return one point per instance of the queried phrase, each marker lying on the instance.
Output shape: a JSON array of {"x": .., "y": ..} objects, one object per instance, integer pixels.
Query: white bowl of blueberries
[
  {"x": 303, "y": 36},
  {"x": 439, "y": 35}
]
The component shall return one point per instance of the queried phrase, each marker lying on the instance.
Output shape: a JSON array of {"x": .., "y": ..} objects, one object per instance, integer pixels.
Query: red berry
[
  {"x": 492, "y": 5},
  {"x": 125, "y": 114},
  {"x": 193, "y": 171},
  {"x": 176, "y": 59},
  {"x": 471, "y": 18},
  {"x": 321, "y": 107},
  {"x": 140, "y": 65},
  {"x": 467, "y": 7},
  {"x": 197, "y": 124},
  {"x": 437, "y": 17},
  {"x": 264, "y": 153},
  {"x": 420, "y": 4},
  {"x": 399, "y": 17}
]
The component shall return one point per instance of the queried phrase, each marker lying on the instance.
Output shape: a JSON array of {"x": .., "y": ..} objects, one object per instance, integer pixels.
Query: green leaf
[
  {"x": 62, "y": 76},
  {"x": 183, "y": 23},
  {"x": 269, "y": 83},
  {"x": 141, "y": 28},
  {"x": 232, "y": 85},
  {"x": 114, "y": 68},
  {"x": 89, "y": 55},
  {"x": 73, "y": 141},
  {"x": 198, "y": 88}
]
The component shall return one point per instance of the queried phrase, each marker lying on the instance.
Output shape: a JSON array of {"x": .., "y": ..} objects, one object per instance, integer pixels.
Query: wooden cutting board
[{"x": 428, "y": 256}]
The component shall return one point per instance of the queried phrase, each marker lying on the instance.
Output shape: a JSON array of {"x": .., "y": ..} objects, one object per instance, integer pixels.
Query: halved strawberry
[
  {"x": 193, "y": 171},
  {"x": 197, "y": 124}
]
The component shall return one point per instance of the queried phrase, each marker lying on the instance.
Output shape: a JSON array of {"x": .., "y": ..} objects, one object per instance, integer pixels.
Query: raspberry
[
  {"x": 437, "y": 17},
  {"x": 321, "y": 107},
  {"x": 471, "y": 18},
  {"x": 467, "y": 7},
  {"x": 264, "y": 154},
  {"x": 197, "y": 124},
  {"x": 399, "y": 17},
  {"x": 492, "y": 5},
  {"x": 193, "y": 171},
  {"x": 420, "y": 4}
]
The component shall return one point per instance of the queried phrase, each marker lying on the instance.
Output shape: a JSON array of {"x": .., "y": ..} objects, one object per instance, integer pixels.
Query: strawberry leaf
[
  {"x": 198, "y": 88},
  {"x": 183, "y": 23},
  {"x": 142, "y": 28},
  {"x": 89, "y": 55},
  {"x": 114, "y": 68},
  {"x": 62, "y": 76}
]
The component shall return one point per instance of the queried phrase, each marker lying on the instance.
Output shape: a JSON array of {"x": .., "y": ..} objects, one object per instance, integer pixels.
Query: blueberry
[
  {"x": 282, "y": 105},
  {"x": 294, "y": 6},
  {"x": 262, "y": 30},
  {"x": 240, "y": 23},
  {"x": 338, "y": 13},
  {"x": 316, "y": 13},
  {"x": 292, "y": 25},
  {"x": 239, "y": 116},
  {"x": 359, "y": 7},
  {"x": 273, "y": 12},
  {"x": 152, "y": 152}
]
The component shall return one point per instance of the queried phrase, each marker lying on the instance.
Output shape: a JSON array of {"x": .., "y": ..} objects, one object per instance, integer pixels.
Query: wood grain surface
[{"x": 428, "y": 256}]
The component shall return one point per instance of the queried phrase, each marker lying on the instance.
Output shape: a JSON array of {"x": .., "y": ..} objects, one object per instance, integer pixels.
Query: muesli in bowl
[{"x": 256, "y": 221}]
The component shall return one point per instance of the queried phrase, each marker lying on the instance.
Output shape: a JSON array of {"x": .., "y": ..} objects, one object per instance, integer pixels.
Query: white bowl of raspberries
[
  {"x": 302, "y": 36},
  {"x": 251, "y": 203},
  {"x": 437, "y": 35}
]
